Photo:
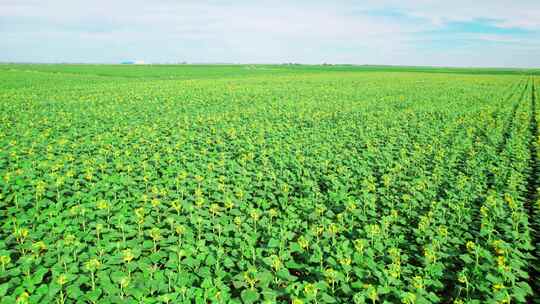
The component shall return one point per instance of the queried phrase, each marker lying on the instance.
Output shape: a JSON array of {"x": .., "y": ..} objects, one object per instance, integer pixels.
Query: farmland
[{"x": 268, "y": 184}]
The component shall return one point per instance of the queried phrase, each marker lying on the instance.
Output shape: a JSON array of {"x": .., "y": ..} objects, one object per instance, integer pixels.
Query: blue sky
[{"x": 493, "y": 33}]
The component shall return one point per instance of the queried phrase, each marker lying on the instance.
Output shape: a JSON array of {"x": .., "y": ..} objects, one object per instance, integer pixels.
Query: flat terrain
[{"x": 262, "y": 183}]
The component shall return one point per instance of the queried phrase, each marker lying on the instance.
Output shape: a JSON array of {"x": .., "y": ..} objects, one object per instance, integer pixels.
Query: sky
[{"x": 494, "y": 33}]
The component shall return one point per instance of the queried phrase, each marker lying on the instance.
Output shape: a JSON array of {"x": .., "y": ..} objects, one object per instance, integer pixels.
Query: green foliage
[{"x": 242, "y": 184}]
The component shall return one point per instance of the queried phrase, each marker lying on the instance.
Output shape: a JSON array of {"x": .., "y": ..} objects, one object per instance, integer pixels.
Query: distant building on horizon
[{"x": 133, "y": 62}]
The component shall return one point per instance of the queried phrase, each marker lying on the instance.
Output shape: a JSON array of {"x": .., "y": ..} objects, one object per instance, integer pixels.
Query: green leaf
[
  {"x": 466, "y": 258},
  {"x": 295, "y": 247},
  {"x": 265, "y": 278},
  {"x": 3, "y": 289},
  {"x": 273, "y": 243},
  {"x": 249, "y": 296},
  {"x": 326, "y": 298},
  {"x": 116, "y": 276},
  {"x": 93, "y": 296},
  {"x": 37, "y": 277},
  {"x": 74, "y": 292}
]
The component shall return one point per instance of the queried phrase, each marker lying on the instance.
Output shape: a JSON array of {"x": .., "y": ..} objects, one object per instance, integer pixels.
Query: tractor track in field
[
  {"x": 450, "y": 291},
  {"x": 515, "y": 89},
  {"x": 532, "y": 198},
  {"x": 510, "y": 122}
]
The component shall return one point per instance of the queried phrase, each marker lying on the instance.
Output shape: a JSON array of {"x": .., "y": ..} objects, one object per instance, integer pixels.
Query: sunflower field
[{"x": 268, "y": 184}]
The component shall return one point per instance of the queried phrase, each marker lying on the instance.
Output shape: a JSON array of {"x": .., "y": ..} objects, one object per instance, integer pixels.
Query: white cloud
[
  {"x": 243, "y": 31},
  {"x": 517, "y": 13}
]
